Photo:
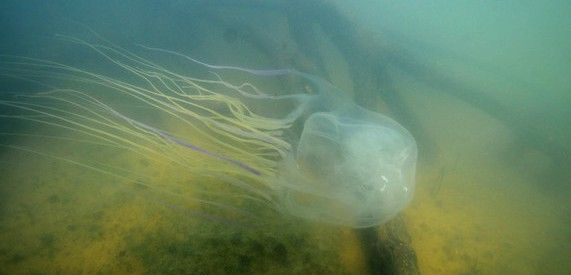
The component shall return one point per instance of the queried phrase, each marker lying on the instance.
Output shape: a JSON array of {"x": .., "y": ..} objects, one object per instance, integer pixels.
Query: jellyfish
[{"x": 309, "y": 152}]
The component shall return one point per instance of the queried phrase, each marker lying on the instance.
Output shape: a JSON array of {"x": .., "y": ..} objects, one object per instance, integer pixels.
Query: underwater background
[{"x": 483, "y": 87}]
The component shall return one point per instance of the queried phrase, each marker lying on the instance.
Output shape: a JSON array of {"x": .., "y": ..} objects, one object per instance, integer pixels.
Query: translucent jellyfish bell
[
  {"x": 350, "y": 166},
  {"x": 311, "y": 153},
  {"x": 349, "y": 171}
]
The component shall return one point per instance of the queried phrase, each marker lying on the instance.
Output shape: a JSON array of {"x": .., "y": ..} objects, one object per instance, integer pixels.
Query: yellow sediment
[
  {"x": 351, "y": 252},
  {"x": 475, "y": 211}
]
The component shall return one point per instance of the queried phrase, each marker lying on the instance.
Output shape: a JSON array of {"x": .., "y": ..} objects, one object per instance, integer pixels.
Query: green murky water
[{"x": 483, "y": 87}]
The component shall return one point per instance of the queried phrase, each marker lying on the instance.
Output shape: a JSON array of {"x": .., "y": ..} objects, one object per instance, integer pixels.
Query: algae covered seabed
[
  {"x": 472, "y": 214},
  {"x": 478, "y": 211},
  {"x": 59, "y": 218},
  {"x": 491, "y": 197}
]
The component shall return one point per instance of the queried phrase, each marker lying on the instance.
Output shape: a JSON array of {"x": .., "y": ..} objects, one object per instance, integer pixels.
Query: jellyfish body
[
  {"x": 312, "y": 154},
  {"x": 350, "y": 166}
]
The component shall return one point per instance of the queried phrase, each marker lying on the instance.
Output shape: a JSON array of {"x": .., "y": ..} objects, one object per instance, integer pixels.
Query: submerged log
[{"x": 388, "y": 249}]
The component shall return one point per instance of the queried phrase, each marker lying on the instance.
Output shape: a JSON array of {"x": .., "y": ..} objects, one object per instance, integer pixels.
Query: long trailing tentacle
[{"x": 250, "y": 142}]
